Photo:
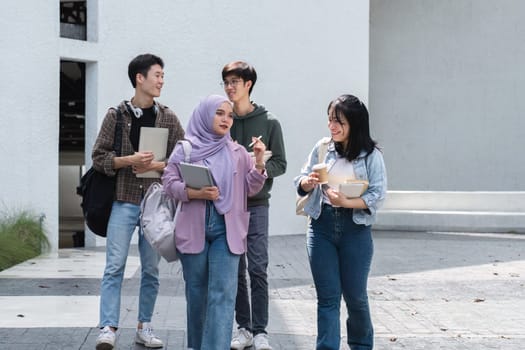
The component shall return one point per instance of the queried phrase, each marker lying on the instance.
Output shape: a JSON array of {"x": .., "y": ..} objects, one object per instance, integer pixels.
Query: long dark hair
[{"x": 354, "y": 111}]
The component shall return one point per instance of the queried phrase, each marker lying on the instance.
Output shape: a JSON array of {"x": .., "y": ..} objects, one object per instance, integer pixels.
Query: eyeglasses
[{"x": 232, "y": 83}]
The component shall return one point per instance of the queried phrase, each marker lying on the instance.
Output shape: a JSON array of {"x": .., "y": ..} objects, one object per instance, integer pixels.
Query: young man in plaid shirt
[{"x": 147, "y": 78}]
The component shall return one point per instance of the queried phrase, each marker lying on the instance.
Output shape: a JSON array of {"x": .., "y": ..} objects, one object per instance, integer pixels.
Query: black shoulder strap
[{"x": 117, "y": 140}]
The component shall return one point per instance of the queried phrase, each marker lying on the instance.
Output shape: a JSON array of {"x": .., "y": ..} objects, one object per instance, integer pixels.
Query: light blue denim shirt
[{"x": 371, "y": 168}]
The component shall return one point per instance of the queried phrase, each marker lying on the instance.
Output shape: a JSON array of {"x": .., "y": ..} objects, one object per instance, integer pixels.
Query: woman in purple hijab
[{"x": 212, "y": 223}]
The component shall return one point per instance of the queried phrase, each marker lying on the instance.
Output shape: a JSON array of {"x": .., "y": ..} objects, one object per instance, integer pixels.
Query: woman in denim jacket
[{"x": 339, "y": 241}]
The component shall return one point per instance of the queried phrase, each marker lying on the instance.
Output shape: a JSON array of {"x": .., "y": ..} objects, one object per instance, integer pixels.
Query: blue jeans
[
  {"x": 122, "y": 223},
  {"x": 340, "y": 254},
  {"x": 255, "y": 320},
  {"x": 211, "y": 287}
]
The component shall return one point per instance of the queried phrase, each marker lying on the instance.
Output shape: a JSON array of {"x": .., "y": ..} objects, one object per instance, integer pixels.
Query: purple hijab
[{"x": 210, "y": 148}]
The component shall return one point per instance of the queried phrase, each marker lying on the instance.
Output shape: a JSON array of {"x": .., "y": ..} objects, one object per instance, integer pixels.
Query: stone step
[{"x": 453, "y": 211}]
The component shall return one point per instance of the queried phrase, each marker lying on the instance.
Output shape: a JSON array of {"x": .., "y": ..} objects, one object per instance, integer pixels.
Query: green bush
[{"x": 21, "y": 238}]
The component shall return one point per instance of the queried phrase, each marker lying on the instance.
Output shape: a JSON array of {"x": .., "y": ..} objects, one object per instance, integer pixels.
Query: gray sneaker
[
  {"x": 242, "y": 339},
  {"x": 146, "y": 337},
  {"x": 260, "y": 341},
  {"x": 106, "y": 339}
]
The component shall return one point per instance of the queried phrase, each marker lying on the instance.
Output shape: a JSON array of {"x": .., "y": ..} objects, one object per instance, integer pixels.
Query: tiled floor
[{"x": 427, "y": 291}]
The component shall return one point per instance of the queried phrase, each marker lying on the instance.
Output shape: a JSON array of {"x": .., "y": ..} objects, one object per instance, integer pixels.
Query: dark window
[
  {"x": 73, "y": 19},
  {"x": 72, "y": 105}
]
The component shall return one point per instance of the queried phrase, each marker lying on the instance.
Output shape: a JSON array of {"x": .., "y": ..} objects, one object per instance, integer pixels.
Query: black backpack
[{"x": 98, "y": 190}]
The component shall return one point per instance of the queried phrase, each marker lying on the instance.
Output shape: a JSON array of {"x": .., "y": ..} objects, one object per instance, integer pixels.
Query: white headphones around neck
[{"x": 137, "y": 111}]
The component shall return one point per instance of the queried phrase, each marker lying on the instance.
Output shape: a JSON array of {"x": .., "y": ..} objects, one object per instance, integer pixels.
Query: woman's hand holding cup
[
  {"x": 318, "y": 176},
  {"x": 309, "y": 182}
]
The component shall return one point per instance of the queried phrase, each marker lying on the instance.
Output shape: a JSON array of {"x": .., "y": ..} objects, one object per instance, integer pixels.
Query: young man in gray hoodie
[{"x": 250, "y": 120}]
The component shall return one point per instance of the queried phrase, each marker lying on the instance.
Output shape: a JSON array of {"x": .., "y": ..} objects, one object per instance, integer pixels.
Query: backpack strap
[
  {"x": 117, "y": 140},
  {"x": 323, "y": 149},
  {"x": 186, "y": 146}
]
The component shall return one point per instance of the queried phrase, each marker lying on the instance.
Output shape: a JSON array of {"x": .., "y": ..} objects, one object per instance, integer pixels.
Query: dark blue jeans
[
  {"x": 211, "y": 278},
  {"x": 340, "y": 254},
  {"x": 255, "y": 318}
]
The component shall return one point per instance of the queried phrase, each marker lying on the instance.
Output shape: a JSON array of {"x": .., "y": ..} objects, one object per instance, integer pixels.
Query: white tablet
[
  {"x": 154, "y": 140},
  {"x": 196, "y": 176},
  {"x": 353, "y": 189}
]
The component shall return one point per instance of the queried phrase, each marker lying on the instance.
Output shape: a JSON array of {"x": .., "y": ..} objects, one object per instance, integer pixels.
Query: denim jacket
[{"x": 371, "y": 168}]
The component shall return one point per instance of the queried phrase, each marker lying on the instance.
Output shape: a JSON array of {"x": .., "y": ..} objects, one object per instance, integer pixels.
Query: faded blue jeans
[
  {"x": 122, "y": 223},
  {"x": 255, "y": 318},
  {"x": 211, "y": 287},
  {"x": 340, "y": 253}
]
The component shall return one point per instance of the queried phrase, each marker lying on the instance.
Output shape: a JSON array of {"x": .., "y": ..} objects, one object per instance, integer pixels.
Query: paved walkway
[{"x": 427, "y": 291}]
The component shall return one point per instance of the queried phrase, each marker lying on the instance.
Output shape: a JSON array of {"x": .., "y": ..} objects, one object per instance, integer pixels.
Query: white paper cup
[{"x": 322, "y": 170}]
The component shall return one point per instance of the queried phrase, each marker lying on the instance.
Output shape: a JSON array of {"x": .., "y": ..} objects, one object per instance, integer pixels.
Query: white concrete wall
[
  {"x": 446, "y": 86},
  {"x": 446, "y": 79},
  {"x": 305, "y": 53},
  {"x": 29, "y": 108}
]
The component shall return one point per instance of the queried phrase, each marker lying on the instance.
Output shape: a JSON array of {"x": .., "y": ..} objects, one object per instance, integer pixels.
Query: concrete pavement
[{"x": 427, "y": 291}]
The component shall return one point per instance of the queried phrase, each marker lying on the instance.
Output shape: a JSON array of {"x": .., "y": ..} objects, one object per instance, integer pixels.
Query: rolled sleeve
[
  {"x": 173, "y": 183},
  {"x": 377, "y": 182}
]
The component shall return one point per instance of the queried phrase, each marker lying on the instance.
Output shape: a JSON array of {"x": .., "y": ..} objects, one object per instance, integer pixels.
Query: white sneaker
[
  {"x": 106, "y": 339},
  {"x": 146, "y": 337},
  {"x": 242, "y": 339},
  {"x": 261, "y": 342}
]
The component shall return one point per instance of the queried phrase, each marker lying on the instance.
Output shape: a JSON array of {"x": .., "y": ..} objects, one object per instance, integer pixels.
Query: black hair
[
  {"x": 241, "y": 69},
  {"x": 141, "y": 65},
  {"x": 354, "y": 111}
]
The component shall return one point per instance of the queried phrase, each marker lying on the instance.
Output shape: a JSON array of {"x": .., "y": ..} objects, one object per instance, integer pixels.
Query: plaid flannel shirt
[{"x": 130, "y": 188}]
